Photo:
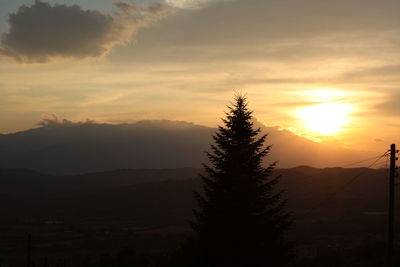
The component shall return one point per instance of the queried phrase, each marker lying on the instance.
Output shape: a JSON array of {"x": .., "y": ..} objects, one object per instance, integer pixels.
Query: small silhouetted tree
[{"x": 241, "y": 218}]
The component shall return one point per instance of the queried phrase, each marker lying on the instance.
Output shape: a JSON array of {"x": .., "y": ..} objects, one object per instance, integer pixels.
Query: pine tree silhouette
[{"x": 240, "y": 221}]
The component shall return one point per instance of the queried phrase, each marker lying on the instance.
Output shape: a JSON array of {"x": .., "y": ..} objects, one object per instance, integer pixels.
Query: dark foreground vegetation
[{"x": 151, "y": 218}]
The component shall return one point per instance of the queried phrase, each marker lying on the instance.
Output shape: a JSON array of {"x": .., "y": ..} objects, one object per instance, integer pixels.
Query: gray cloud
[
  {"x": 131, "y": 8},
  {"x": 127, "y": 8},
  {"x": 272, "y": 30},
  {"x": 245, "y": 21},
  {"x": 42, "y": 32}
]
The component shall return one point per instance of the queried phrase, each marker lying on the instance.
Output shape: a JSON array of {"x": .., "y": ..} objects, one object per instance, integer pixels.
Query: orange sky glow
[{"x": 326, "y": 70}]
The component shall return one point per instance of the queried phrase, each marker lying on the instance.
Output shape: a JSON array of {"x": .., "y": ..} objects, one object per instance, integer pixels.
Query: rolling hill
[{"x": 149, "y": 209}]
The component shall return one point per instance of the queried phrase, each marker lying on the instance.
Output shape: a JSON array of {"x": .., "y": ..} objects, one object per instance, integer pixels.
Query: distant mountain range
[{"x": 76, "y": 148}]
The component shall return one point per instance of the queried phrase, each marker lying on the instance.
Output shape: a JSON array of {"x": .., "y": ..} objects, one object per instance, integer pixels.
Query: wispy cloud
[
  {"x": 191, "y": 4},
  {"x": 51, "y": 120}
]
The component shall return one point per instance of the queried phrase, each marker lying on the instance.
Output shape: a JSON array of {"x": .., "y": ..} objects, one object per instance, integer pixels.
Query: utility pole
[
  {"x": 391, "y": 204},
  {"x": 29, "y": 260}
]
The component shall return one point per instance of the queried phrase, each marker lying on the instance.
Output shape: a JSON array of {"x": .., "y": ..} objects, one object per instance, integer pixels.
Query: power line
[
  {"x": 317, "y": 174},
  {"x": 364, "y": 160},
  {"x": 352, "y": 180}
]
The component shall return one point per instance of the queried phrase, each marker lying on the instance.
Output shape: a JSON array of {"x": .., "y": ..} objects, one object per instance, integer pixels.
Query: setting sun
[{"x": 325, "y": 118}]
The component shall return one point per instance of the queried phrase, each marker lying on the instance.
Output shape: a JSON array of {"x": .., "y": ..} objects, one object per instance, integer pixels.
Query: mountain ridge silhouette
[{"x": 75, "y": 148}]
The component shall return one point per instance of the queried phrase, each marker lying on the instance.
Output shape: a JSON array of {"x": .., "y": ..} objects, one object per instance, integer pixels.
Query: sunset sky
[{"x": 327, "y": 70}]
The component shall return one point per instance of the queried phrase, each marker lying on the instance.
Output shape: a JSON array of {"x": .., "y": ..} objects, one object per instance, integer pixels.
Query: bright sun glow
[{"x": 325, "y": 118}]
